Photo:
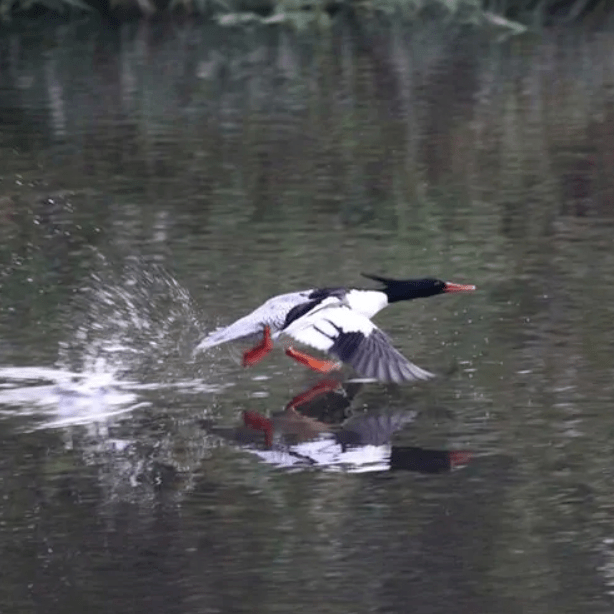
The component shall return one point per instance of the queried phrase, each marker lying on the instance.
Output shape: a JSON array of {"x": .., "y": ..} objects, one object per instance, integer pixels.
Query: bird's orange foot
[
  {"x": 258, "y": 422},
  {"x": 321, "y": 366},
  {"x": 258, "y": 352},
  {"x": 328, "y": 385}
]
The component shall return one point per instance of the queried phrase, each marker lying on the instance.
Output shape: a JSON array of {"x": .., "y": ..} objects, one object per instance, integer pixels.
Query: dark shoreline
[{"x": 529, "y": 13}]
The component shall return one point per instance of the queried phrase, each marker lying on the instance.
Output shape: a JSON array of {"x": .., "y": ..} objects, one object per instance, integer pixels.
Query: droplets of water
[
  {"x": 129, "y": 337},
  {"x": 133, "y": 321}
]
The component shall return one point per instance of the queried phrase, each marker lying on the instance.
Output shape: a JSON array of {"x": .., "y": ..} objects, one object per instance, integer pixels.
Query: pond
[{"x": 159, "y": 181}]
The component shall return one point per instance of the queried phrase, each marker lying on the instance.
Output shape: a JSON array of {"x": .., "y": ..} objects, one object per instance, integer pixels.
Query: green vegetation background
[{"x": 502, "y": 13}]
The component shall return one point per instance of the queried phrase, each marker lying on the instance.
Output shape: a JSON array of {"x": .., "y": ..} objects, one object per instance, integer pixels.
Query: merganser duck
[
  {"x": 336, "y": 321},
  {"x": 362, "y": 443},
  {"x": 324, "y": 435}
]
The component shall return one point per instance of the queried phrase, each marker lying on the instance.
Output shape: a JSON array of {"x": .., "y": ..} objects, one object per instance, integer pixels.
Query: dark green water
[{"x": 156, "y": 183}]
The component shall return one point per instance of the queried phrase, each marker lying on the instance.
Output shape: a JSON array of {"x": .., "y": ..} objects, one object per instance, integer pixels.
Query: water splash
[
  {"x": 131, "y": 331},
  {"x": 133, "y": 321},
  {"x": 61, "y": 398}
]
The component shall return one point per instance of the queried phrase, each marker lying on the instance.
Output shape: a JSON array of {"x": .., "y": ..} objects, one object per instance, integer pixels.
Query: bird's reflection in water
[{"x": 318, "y": 429}]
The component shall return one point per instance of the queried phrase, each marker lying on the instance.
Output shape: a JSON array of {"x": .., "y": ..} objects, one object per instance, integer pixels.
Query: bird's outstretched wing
[
  {"x": 355, "y": 340},
  {"x": 272, "y": 313}
]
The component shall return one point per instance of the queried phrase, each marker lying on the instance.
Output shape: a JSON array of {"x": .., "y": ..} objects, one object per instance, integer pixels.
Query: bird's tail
[
  {"x": 212, "y": 339},
  {"x": 245, "y": 327}
]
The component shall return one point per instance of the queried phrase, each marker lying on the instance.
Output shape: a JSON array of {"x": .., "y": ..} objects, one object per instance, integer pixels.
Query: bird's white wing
[
  {"x": 323, "y": 326},
  {"x": 355, "y": 340},
  {"x": 272, "y": 313}
]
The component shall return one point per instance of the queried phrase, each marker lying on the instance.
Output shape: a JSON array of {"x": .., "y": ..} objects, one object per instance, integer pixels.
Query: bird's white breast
[{"x": 366, "y": 302}]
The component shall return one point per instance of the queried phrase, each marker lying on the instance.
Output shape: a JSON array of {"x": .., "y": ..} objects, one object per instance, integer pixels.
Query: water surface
[{"x": 157, "y": 183}]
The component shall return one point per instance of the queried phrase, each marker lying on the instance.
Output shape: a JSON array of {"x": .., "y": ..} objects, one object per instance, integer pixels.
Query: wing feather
[
  {"x": 272, "y": 313},
  {"x": 355, "y": 340}
]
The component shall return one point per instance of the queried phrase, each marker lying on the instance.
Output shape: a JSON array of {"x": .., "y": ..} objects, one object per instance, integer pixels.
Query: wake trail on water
[{"x": 130, "y": 330}]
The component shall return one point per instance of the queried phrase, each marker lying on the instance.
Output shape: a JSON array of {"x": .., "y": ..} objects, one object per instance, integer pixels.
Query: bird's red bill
[
  {"x": 450, "y": 287},
  {"x": 459, "y": 457}
]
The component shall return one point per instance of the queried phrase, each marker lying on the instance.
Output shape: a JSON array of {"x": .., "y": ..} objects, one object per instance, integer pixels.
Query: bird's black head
[{"x": 406, "y": 289}]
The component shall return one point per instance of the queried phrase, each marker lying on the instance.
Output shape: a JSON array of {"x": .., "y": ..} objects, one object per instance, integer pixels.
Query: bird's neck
[
  {"x": 367, "y": 302},
  {"x": 403, "y": 291}
]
